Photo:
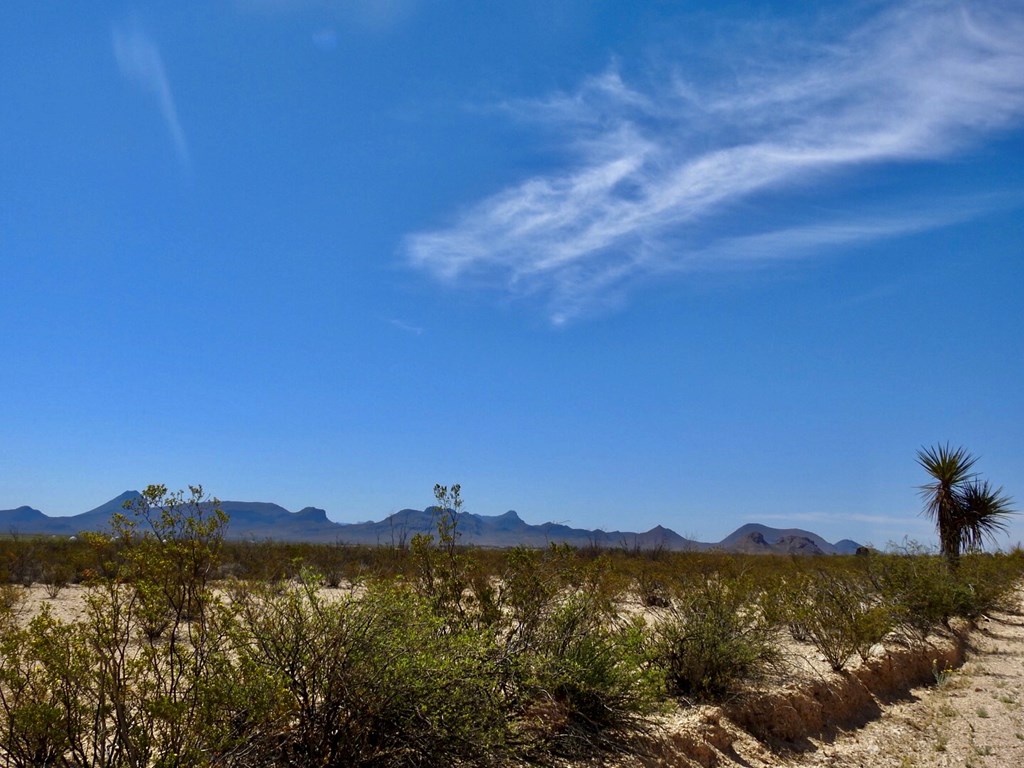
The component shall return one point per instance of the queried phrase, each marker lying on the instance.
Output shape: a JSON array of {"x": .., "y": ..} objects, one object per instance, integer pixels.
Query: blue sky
[{"x": 613, "y": 264}]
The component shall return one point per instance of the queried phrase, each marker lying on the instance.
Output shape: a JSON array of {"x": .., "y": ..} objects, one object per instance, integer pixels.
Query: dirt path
[{"x": 973, "y": 717}]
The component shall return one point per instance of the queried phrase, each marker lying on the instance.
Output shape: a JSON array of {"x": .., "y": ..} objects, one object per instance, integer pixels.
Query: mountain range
[{"x": 254, "y": 520}]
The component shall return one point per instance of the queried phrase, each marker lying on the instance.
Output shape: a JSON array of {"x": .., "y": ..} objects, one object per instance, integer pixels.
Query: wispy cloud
[
  {"x": 809, "y": 239},
  {"x": 653, "y": 175},
  {"x": 415, "y": 330},
  {"x": 140, "y": 61}
]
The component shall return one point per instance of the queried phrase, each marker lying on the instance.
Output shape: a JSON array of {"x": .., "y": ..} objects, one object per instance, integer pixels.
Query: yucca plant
[{"x": 967, "y": 511}]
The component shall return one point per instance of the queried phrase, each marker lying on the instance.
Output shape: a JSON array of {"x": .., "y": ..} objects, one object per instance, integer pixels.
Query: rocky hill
[{"x": 263, "y": 520}]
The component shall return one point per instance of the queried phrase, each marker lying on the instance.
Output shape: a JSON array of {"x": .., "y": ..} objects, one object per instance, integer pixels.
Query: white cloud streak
[
  {"x": 649, "y": 174},
  {"x": 140, "y": 61},
  {"x": 415, "y": 330}
]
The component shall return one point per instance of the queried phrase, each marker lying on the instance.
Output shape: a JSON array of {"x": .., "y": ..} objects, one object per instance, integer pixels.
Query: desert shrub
[
  {"x": 24, "y": 565},
  {"x": 139, "y": 703},
  {"x": 926, "y": 593},
  {"x": 583, "y": 680},
  {"x": 238, "y": 591},
  {"x": 918, "y": 586},
  {"x": 336, "y": 562},
  {"x": 837, "y": 611},
  {"x": 70, "y": 690},
  {"x": 714, "y": 637},
  {"x": 532, "y": 581},
  {"x": 392, "y": 677},
  {"x": 266, "y": 560},
  {"x": 483, "y": 601},
  {"x": 571, "y": 673},
  {"x": 102, "y": 558},
  {"x": 171, "y": 549},
  {"x": 986, "y": 582},
  {"x": 380, "y": 680},
  {"x": 56, "y": 577},
  {"x": 43, "y": 671},
  {"x": 145, "y": 703},
  {"x": 442, "y": 571},
  {"x": 157, "y": 671},
  {"x": 153, "y": 616},
  {"x": 651, "y": 581},
  {"x": 98, "y": 692},
  {"x": 12, "y": 597}
]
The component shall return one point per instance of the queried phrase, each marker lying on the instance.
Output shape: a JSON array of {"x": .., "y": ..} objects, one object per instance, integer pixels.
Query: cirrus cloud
[
  {"x": 652, "y": 175},
  {"x": 139, "y": 60}
]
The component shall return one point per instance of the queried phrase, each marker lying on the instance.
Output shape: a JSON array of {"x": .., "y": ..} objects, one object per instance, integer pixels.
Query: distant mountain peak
[
  {"x": 313, "y": 513},
  {"x": 254, "y": 520},
  {"x": 121, "y": 499},
  {"x": 25, "y": 508},
  {"x": 116, "y": 504}
]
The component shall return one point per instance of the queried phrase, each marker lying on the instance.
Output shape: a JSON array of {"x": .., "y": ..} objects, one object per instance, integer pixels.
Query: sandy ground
[
  {"x": 972, "y": 717},
  {"x": 966, "y": 715}
]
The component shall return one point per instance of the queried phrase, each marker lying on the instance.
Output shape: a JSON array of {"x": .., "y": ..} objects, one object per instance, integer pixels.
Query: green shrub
[
  {"x": 651, "y": 580},
  {"x": 918, "y": 586},
  {"x": 529, "y": 590},
  {"x": 56, "y": 577},
  {"x": 582, "y": 679},
  {"x": 38, "y": 711},
  {"x": 987, "y": 582},
  {"x": 442, "y": 571},
  {"x": 838, "y": 612},
  {"x": 376, "y": 680},
  {"x": 714, "y": 637},
  {"x": 12, "y": 598},
  {"x": 101, "y": 691}
]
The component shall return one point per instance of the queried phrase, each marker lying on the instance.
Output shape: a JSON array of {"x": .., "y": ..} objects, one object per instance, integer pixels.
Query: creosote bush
[
  {"x": 374, "y": 680},
  {"x": 11, "y": 599},
  {"x": 571, "y": 676},
  {"x": 987, "y": 583},
  {"x": 578, "y": 676},
  {"x": 920, "y": 588},
  {"x": 837, "y": 612},
  {"x": 56, "y": 578},
  {"x": 101, "y": 691},
  {"x": 714, "y": 637}
]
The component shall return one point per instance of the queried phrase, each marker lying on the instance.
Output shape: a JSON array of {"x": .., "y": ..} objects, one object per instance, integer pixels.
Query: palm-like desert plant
[
  {"x": 967, "y": 511},
  {"x": 984, "y": 513}
]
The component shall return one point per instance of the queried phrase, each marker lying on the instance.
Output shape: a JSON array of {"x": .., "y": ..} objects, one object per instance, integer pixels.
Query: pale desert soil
[
  {"x": 972, "y": 718},
  {"x": 891, "y": 712},
  {"x": 894, "y": 712}
]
